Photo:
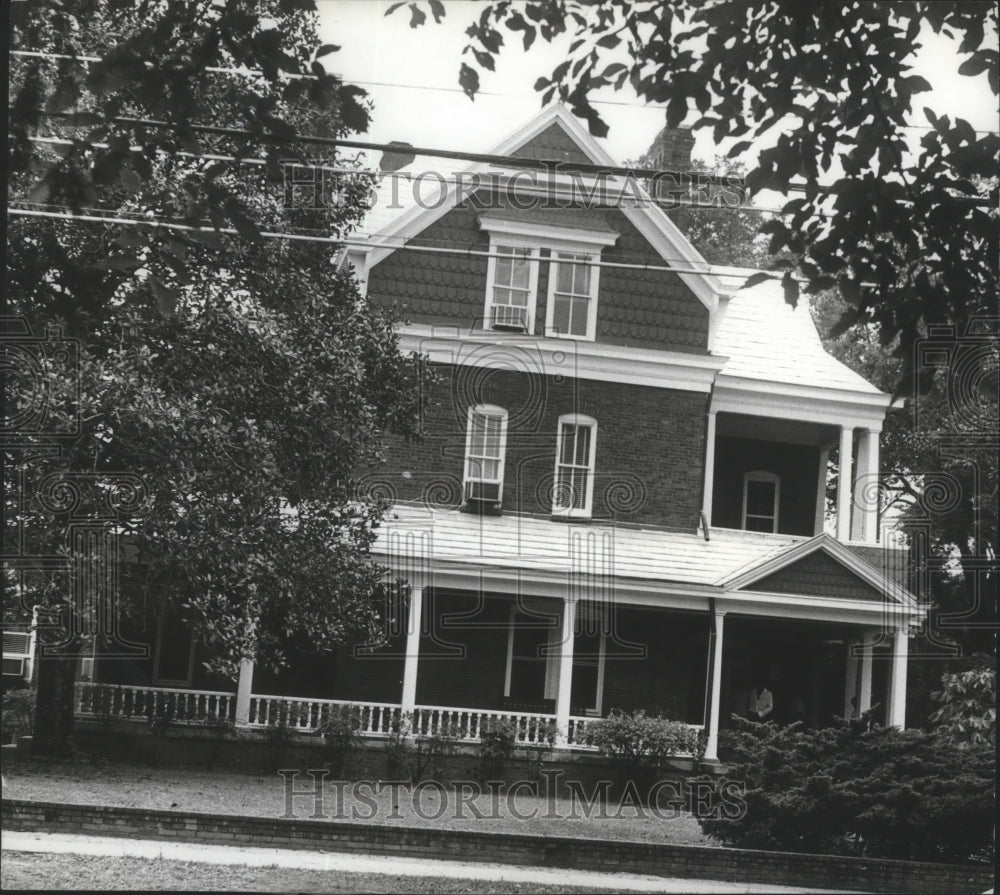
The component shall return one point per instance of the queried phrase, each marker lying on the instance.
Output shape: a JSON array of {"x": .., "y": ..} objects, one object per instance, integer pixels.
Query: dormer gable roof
[{"x": 387, "y": 232}]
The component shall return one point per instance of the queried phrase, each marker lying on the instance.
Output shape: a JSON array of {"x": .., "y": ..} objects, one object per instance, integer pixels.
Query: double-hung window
[
  {"x": 513, "y": 287},
  {"x": 573, "y": 492},
  {"x": 572, "y": 303},
  {"x": 570, "y": 257},
  {"x": 761, "y": 491},
  {"x": 485, "y": 446}
]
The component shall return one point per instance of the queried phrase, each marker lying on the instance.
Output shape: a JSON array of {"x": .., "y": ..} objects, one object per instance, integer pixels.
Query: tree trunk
[{"x": 55, "y": 702}]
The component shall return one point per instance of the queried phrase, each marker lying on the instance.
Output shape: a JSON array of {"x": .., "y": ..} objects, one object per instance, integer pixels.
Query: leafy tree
[
  {"x": 849, "y": 790},
  {"x": 968, "y": 712},
  {"x": 827, "y": 91},
  {"x": 227, "y": 384}
]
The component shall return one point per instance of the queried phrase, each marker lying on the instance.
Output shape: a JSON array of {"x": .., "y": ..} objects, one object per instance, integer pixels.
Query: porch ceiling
[{"x": 760, "y": 428}]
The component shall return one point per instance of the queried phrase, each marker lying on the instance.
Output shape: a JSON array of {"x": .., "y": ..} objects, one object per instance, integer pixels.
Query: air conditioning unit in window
[
  {"x": 511, "y": 318},
  {"x": 13, "y": 666},
  {"x": 483, "y": 497}
]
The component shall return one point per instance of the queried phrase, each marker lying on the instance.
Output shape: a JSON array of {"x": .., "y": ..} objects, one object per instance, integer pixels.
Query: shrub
[
  {"x": 968, "y": 713},
  {"x": 18, "y": 713},
  {"x": 497, "y": 737},
  {"x": 420, "y": 754},
  {"x": 639, "y": 745},
  {"x": 341, "y": 735},
  {"x": 853, "y": 791}
]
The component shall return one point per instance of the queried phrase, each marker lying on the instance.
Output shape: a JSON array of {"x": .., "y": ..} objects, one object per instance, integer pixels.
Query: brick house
[{"x": 620, "y": 502}]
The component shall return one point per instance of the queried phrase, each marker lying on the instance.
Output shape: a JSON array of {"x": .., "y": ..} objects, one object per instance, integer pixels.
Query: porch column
[
  {"x": 864, "y": 526},
  {"x": 414, "y": 622},
  {"x": 824, "y": 459},
  {"x": 244, "y": 687},
  {"x": 850, "y": 681},
  {"x": 706, "y": 502},
  {"x": 865, "y": 684},
  {"x": 563, "y": 694},
  {"x": 845, "y": 484},
  {"x": 896, "y": 713},
  {"x": 712, "y": 745}
]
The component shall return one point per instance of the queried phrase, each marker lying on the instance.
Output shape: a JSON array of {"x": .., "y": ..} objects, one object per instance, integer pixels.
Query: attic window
[
  {"x": 512, "y": 277},
  {"x": 761, "y": 491}
]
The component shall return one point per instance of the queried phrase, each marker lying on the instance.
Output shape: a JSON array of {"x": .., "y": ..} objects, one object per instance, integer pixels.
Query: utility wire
[
  {"x": 709, "y": 270},
  {"x": 433, "y": 87}
]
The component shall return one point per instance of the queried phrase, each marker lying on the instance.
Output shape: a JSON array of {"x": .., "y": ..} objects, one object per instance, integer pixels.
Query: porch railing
[
  {"x": 376, "y": 719},
  {"x": 530, "y": 728},
  {"x": 309, "y": 715},
  {"x": 128, "y": 701}
]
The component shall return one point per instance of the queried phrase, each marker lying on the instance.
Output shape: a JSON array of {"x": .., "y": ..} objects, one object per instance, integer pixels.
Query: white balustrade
[
  {"x": 125, "y": 701},
  {"x": 310, "y": 715}
]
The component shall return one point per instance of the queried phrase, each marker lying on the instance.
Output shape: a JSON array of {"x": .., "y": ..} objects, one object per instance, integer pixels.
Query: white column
[
  {"x": 896, "y": 714},
  {"x": 244, "y": 687},
  {"x": 845, "y": 486},
  {"x": 824, "y": 459},
  {"x": 712, "y": 744},
  {"x": 414, "y": 621},
  {"x": 850, "y": 681},
  {"x": 706, "y": 502},
  {"x": 865, "y": 684},
  {"x": 564, "y": 693},
  {"x": 864, "y": 526}
]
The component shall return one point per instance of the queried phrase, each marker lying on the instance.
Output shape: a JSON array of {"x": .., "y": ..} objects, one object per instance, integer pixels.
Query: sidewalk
[{"x": 62, "y": 843}]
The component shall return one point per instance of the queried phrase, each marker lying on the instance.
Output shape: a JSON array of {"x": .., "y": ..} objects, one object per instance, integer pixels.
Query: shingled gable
[
  {"x": 822, "y": 567},
  {"x": 556, "y": 134}
]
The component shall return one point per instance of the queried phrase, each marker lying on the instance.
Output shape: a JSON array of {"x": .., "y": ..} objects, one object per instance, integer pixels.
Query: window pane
[
  {"x": 520, "y": 276},
  {"x": 579, "y": 489},
  {"x": 582, "y": 279},
  {"x": 564, "y": 279},
  {"x": 560, "y": 314},
  {"x": 759, "y": 524},
  {"x": 503, "y": 271},
  {"x": 583, "y": 445},
  {"x": 491, "y": 469},
  {"x": 578, "y": 324},
  {"x": 760, "y": 498}
]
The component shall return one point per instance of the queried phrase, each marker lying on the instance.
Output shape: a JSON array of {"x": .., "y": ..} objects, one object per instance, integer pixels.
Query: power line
[
  {"x": 429, "y": 87},
  {"x": 709, "y": 270}
]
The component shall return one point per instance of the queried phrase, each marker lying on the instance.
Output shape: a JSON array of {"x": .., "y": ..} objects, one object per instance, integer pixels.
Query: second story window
[
  {"x": 485, "y": 446},
  {"x": 761, "y": 491},
  {"x": 574, "y": 481},
  {"x": 510, "y": 299},
  {"x": 572, "y": 301}
]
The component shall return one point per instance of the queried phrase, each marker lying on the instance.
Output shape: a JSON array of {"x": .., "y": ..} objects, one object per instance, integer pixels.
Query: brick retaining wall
[{"x": 686, "y": 862}]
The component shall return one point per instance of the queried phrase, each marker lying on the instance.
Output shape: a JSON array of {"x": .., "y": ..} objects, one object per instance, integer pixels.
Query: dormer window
[
  {"x": 485, "y": 447},
  {"x": 761, "y": 491},
  {"x": 572, "y": 304},
  {"x": 573, "y": 494},
  {"x": 515, "y": 256},
  {"x": 513, "y": 277}
]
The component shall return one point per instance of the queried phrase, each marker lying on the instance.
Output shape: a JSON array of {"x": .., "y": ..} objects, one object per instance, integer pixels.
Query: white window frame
[
  {"x": 550, "y": 306},
  {"x": 577, "y": 420},
  {"x": 491, "y": 267},
  {"x": 557, "y": 240},
  {"x": 550, "y": 656},
  {"x": 491, "y": 410},
  {"x": 761, "y": 476}
]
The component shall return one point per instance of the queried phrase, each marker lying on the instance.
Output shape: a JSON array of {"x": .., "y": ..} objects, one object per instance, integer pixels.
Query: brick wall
[
  {"x": 690, "y": 862},
  {"x": 650, "y": 445},
  {"x": 798, "y": 466}
]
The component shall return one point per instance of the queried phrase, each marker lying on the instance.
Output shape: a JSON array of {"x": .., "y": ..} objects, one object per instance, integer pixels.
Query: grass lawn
[
  {"x": 236, "y": 792},
  {"x": 25, "y": 870}
]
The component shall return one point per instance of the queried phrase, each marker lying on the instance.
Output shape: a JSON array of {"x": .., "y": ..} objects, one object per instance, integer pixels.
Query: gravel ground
[{"x": 234, "y": 792}]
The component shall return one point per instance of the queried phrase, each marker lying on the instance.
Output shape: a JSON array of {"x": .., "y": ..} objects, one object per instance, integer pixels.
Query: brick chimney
[{"x": 671, "y": 150}]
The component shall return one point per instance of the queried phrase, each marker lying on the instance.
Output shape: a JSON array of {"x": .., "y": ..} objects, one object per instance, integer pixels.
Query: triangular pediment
[
  {"x": 819, "y": 567},
  {"x": 555, "y": 134}
]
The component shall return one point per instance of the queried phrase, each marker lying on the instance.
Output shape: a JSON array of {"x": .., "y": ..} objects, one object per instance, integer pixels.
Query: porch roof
[
  {"x": 764, "y": 338},
  {"x": 536, "y": 543}
]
